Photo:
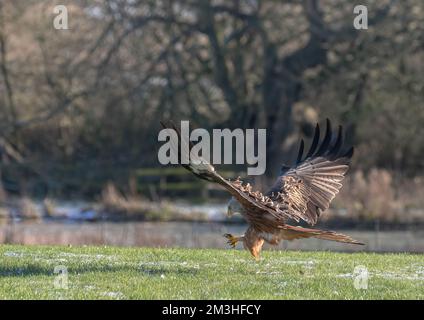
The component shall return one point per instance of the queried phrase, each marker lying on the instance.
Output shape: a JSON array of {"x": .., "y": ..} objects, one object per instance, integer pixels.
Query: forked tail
[
  {"x": 293, "y": 232},
  {"x": 334, "y": 236}
]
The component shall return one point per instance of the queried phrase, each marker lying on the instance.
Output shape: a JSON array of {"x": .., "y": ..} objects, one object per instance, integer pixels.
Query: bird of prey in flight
[{"x": 302, "y": 192}]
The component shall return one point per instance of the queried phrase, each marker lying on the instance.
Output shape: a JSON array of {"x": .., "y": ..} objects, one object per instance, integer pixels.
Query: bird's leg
[
  {"x": 255, "y": 247},
  {"x": 232, "y": 240},
  {"x": 253, "y": 242}
]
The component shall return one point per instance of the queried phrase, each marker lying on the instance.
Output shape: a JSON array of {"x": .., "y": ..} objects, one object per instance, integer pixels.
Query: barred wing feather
[{"x": 308, "y": 188}]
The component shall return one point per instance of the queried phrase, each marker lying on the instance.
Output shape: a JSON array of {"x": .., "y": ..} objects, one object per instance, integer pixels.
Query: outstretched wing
[
  {"x": 257, "y": 206},
  {"x": 308, "y": 188},
  {"x": 197, "y": 165}
]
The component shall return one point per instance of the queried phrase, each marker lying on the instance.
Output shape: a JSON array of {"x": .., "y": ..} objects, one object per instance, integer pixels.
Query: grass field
[{"x": 27, "y": 272}]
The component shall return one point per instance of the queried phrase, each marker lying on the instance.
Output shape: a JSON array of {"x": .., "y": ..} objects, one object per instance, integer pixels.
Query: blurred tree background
[{"x": 81, "y": 107}]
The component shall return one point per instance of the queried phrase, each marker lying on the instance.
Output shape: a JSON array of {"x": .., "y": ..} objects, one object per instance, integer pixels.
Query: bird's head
[{"x": 234, "y": 207}]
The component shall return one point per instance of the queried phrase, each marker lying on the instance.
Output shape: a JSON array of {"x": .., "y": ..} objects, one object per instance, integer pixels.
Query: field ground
[{"x": 27, "y": 272}]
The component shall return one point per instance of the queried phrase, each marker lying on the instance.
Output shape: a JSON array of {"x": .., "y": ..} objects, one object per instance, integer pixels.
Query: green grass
[{"x": 27, "y": 272}]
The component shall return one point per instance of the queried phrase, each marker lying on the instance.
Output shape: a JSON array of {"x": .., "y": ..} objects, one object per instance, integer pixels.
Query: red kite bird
[{"x": 301, "y": 192}]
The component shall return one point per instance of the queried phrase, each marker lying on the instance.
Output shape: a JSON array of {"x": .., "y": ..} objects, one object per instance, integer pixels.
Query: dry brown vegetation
[
  {"x": 117, "y": 205},
  {"x": 377, "y": 195}
]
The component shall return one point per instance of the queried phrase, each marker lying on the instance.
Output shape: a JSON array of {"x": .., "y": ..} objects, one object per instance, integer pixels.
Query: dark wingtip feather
[
  {"x": 314, "y": 142},
  {"x": 300, "y": 153},
  {"x": 327, "y": 139},
  {"x": 334, "y": 151},
  {"x": 348, "y": 154},
  {"x": 162, "y": 123},
  {"x": 168, "y": 124}
]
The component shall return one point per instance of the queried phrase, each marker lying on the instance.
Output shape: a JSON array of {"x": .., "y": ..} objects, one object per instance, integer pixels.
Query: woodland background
[{"x": 80, "y": 108}]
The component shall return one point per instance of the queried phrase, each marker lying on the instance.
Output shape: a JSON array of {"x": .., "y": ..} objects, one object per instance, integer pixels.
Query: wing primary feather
[
  {"x": 307, "y": 189},
  {"x": 326, "y": 141},
  {"x": 337, "y": 145},
  {"x": 314, "y": 142},
  {"x": 348, "y": 154},
  {"x": 300, "y": 153},
  {"x": 169, "y": 124}
]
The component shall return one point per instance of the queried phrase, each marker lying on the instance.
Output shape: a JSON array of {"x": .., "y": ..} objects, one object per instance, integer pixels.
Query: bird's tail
[
  {"x": 334, "y": 236},
  {"x": 292, "y": 232}
]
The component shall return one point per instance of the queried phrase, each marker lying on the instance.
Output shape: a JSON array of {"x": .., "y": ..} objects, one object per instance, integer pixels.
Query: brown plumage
[{"x": 301, "y": 192}]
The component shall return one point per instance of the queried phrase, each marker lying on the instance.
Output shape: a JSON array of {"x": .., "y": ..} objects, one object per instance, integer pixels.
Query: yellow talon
[{"x": 232, "y": 241}]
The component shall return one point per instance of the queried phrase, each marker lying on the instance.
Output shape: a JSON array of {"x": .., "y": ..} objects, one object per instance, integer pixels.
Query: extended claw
[{"x": 232, "y": 241}]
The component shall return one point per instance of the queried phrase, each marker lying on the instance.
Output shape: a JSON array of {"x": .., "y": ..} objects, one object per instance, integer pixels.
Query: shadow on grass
[{"x": 34, "y": 270}]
